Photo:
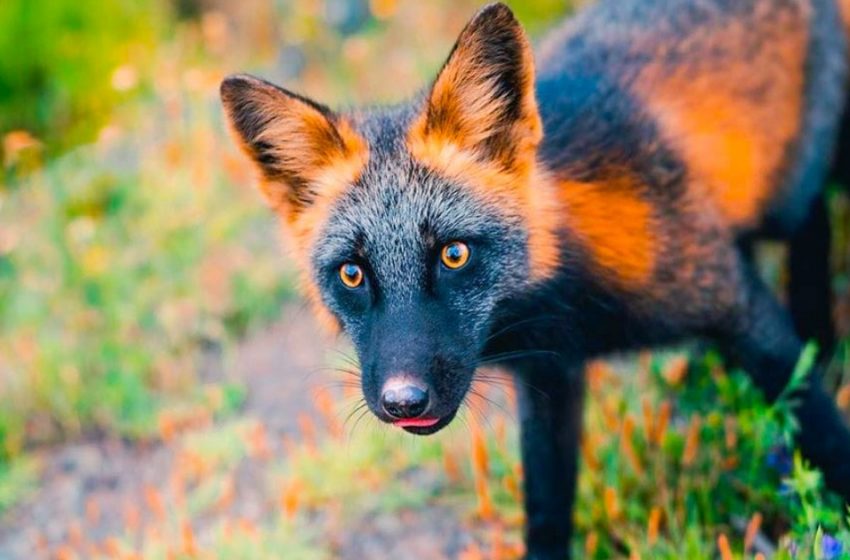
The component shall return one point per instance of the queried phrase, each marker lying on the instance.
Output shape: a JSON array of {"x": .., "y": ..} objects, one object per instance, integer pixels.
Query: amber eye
[
  {"x": 455, "y": 254},
  {"x": 351, "y": 275}
]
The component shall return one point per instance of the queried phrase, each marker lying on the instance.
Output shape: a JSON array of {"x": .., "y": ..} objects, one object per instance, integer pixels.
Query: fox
[{"x": 537, "y": 209}]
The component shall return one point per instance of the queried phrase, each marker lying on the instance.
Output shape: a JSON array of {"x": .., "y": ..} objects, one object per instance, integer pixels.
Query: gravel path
[{"x": 94, "y": 489}]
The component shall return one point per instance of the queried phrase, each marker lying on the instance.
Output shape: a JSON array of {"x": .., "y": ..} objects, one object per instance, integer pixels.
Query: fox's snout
[{"x": 404, "y": 400}]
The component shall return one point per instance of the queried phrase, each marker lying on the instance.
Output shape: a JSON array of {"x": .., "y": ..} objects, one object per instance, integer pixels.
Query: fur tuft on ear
[
  {"x": 482, "y": 101},
  {"x": 298, "y": 145}
]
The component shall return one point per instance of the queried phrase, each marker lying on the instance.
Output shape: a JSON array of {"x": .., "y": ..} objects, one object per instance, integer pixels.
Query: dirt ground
[{"x": 89, "y": 490}]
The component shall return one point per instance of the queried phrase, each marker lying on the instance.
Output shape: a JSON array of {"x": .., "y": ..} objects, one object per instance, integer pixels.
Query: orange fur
[
  {"x": 615, "y": 226},
  {"x": 526, "y": 193},
  {"x": 844, "y": 7},
  {"x": 302, "y": 227},
  {"x": 733, "y": 147}
]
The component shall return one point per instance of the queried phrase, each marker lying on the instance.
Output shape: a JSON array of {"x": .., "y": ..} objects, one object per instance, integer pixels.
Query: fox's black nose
[{"x": 404, "y": 401}]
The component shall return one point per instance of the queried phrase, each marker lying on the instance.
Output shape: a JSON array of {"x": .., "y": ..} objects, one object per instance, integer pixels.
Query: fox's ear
[
  {"x": 298, "y": 144},
  {"x": 483, "y": 98}
]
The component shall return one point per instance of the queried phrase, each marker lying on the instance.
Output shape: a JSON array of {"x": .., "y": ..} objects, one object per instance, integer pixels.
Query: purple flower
[
  {"x": 830, "y": 547},
  {"x": 793, "y": 549},
  {"x": 779, "y": 459}
]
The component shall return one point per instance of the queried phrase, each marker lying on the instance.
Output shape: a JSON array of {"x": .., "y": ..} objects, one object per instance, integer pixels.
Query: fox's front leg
[{"x": 550, "y": 395}]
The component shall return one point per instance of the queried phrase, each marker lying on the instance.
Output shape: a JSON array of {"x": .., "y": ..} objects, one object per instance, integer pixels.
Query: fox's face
[{"x": 412, "y": 224}]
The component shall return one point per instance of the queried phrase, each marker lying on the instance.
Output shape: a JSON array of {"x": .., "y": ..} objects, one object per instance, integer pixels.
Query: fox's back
[{"x": 743, "y": 96}]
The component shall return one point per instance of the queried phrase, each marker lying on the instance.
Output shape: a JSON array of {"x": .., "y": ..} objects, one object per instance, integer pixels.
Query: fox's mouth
[
  {"x": 416, "y": 422},
  {"x": 424, "y": 426}
]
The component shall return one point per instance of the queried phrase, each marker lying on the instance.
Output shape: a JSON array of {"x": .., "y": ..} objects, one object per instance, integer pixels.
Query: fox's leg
[
  {"x": 841, "y": 166},
  {"x": 762, "y": 338},
  {"x": 550, "y": 396},
  {"x": 809, "y": 289}
]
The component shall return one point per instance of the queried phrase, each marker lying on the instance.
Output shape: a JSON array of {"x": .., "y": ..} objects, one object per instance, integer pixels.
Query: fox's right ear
[{"x": 300, "y": 146}]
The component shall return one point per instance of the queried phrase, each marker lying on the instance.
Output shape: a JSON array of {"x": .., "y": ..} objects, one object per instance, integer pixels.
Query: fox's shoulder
[{"x": 723, "y": 82}]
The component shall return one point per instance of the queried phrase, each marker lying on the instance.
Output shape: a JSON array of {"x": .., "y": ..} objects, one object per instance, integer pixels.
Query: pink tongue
[{"x": 416, "y": 422}]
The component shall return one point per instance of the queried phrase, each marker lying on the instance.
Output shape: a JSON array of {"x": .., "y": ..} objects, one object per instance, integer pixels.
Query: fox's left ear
[{"x": 482, "y": 102}]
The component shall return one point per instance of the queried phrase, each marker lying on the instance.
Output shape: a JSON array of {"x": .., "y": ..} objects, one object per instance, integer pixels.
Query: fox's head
[{"x": 412, "y": 224}]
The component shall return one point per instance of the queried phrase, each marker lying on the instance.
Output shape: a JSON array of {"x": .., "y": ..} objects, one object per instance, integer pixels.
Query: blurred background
[{"x": 164, "y": 394}]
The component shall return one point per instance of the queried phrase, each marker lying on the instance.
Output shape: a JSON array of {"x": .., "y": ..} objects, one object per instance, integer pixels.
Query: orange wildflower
[
  {"x": 653, "y": 525},
  {"x": 610, "y": 414},
  {"x": 724, "y": 548},
  {"x": 843, "y": 397},
  {"x": 132, "y": 518},
  {"x": 591, "y": 543},
  {"x": 65, "y": 552},
  {"x": 482, "y": 492},
  {"x": 154, "y": 501},
  {"x": 471, "y": 552},
  {"x": 92, "y": 511},
  {"x": 663, "y": 419},
  {"x": 75, "y": 534},
  {"x": 289, "y": 499},
  {"x": 480, "y": 457},
  {"x": 676, "y": 370},
  {"x": 752, "y": 531},
  {"x": 308, "y": 430},
  {"x": 227, "y": 495},
  {"x": 627, "y": 446},
  {"x": 692, "y": 441},
  {"x": 187, "y": 536},
  {"x": 258, "y": 442},
  {"x": 731, "y": 433},
  {"x": 612, "y": 507},
  {"x": 451, "y": 468},
  {"x": 512, "y": 486}
]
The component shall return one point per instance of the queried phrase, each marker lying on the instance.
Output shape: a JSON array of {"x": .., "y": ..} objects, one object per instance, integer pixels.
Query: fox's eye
[
  {"x": 351, "y": 275},
  {"x": 455, "y": 254}
]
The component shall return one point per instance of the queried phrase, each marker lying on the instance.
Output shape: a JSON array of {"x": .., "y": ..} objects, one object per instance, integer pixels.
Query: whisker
[
  {"x": 363, "y": 413},
  {"x": 495, "y": 403},
  {"x": 515, "y": 355},
  {"x": 507, "y": 383},
  {"x": 521, "y": 323},
  {"x": 357, "y": 408},
  {"x": 484, "y": 418},
  {"x": 347, "y": 358}
]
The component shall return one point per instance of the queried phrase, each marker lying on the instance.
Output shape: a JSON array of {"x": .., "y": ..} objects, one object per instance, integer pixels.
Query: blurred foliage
[
  {"x": 124, "y": 264},
  {"x": 64, "y": 64}
]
